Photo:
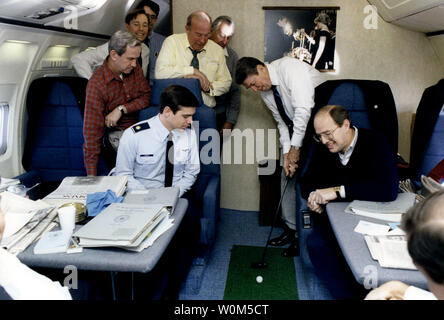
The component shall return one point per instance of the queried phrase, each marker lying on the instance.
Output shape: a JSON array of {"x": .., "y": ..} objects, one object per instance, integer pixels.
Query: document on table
[
  {"x": 390, "y": 251},
  {"x": 21, "y": 216},
  {"x": 388, "y": 211},
  {"x": 372, "y": 229}
]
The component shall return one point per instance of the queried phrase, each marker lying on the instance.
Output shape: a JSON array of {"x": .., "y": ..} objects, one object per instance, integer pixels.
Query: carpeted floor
[
  {"x": 207, "y": 282},
  {"x": 278, "y": 279}
]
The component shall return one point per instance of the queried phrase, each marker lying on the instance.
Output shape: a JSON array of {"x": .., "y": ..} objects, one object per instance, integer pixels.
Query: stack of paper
[
  {"x": 121, "y": 225},
  {"x": 390, "y": 251},
  {"x": 388, "y": 211},
  {"x": 76, "y": 188},
  {"x": 53, "y": 242},
  {"x": 25, "y": 221}
]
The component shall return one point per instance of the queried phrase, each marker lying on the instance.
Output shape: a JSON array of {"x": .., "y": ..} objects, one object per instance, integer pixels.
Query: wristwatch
[
  {"x": 337, "y": 190},
  {"x": 121, "y": 109}
]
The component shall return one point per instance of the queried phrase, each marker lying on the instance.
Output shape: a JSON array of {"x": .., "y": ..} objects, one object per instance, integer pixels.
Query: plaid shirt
[{"x": 104, "y": 92}]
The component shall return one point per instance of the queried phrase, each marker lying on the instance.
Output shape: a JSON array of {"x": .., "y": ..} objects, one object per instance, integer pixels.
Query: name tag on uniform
[{"x": 147, "y": 155}]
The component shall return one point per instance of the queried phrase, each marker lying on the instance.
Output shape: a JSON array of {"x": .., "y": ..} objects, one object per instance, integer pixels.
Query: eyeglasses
[
  {"x": 327, "y": 135},
  {"x": 152, "y": 16}
]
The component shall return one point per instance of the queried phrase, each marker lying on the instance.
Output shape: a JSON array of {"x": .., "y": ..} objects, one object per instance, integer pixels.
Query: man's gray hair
[
  {"x": 219, "y": 20},
  {"x": 120, "y": 40}
]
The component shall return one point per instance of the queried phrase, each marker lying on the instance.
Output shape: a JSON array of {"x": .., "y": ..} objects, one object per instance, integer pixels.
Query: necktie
[
  {"x": 169, "y": 161},
  {"x": 281, "y": 110},
  {"x": 194, "y": 61}
]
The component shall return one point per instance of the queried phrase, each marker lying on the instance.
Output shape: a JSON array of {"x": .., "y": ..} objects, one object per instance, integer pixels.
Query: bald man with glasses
[{"x": 347, "y": 164}]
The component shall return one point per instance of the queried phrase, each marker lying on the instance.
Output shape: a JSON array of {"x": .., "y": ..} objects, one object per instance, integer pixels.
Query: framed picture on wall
[{"x": 304, "y": 33}]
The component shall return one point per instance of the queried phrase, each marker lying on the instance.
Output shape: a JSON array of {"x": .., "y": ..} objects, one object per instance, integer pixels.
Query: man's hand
[
  {"x": 323, "y": 196},
  {"x": 226, "y": 129},
  {"x": 204, "y": 82},
  {"x": 392, "y": 290},
  {"x": 320, "y": 197},
  {"x": 112, "y": 118},
  {"x": 291, "y": 161},
  {"x": 289, "y": 168},
  {"x": 293, "y": 155}
]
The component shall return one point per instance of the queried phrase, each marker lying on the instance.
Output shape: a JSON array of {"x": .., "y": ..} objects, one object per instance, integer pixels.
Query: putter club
[{"x": 262, "y": 264}]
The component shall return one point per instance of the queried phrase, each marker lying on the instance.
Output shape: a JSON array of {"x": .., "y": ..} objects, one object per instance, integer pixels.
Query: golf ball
[{"x": 259, "y": 279}]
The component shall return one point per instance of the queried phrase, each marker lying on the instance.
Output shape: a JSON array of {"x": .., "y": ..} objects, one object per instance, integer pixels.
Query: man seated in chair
[
  {"x": 143, "y": 157},
  {"x": 142, "y": 154},
  {"x": 348, "y": 164}
]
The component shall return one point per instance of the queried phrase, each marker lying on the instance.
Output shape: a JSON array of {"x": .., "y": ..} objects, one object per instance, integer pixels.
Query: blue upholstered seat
[
  {"x": 370, "y": 105},
  {"x": 434, "y": 151},
  {"x": 54, "y": 137},
  {"x": 427, "y": 148},
  {"x": 207, "y": 185}
]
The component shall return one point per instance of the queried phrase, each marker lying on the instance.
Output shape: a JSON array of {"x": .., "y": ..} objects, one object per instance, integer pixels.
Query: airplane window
[{"x": 4, "y": 108}]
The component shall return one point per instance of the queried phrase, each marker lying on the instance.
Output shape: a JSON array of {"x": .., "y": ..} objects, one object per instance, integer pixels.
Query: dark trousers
[
  {"x": 183, "y": 248},
  {"x": 329, "y": 262}
]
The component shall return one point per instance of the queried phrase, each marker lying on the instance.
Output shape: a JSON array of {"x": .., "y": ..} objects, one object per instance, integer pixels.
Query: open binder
[{"x": 121, "y": 225}]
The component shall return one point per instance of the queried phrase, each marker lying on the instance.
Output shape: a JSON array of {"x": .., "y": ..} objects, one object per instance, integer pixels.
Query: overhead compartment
[
  {"x": 101, "y": 17},
  {"x": 419, "y": 15}
]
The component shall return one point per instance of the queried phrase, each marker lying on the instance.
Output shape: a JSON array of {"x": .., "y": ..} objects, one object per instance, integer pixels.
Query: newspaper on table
[
  {"x": 388, "y": 211},
  {"x": 390, "y": 251},
  {"x": 121, "y": 225},
  {"x": 25, "y": 221},
  {"x": 75, "y": 189}
]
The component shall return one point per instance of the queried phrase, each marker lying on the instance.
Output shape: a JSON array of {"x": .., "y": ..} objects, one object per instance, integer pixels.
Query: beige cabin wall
[{"x": 404, "y": 59}]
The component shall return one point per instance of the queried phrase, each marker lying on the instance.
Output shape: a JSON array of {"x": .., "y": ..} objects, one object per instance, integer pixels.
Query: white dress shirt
[
  {"x": 414, "y": 293},
  {"x": 141, "y": 156},
  {"x": 22, "y": 283},
  {"x": 295, "y": 81},
  {"x": 345, "y": 157},
  {"x": 86, "y": 62},
  {"x": 174, "y": 62}
]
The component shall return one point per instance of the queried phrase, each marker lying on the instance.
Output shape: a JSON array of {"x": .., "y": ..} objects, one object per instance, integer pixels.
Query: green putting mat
[{"x": 279, "y": 278}]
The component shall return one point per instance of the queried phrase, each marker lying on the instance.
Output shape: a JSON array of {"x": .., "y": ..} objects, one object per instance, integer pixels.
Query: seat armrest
[
  {"x": 30, "y": 179},
  {"x": 210, "y": 210}
]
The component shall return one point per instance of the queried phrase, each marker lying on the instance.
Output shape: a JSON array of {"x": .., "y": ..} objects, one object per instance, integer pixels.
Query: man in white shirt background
[
  {"x": 137, "y": 23},
  {"x": 228, "y": 104},
  {"x": 154, "y": 40}
]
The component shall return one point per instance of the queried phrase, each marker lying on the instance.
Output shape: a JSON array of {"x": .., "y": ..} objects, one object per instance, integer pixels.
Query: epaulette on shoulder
[{"x": 140, "y": 127}]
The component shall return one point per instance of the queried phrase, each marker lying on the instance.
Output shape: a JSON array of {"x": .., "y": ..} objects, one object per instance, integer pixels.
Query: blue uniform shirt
[{"x": 142, "y": 151}]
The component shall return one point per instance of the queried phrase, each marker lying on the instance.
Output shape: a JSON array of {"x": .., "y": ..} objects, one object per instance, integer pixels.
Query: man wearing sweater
[{"x": 348, "y": 164}]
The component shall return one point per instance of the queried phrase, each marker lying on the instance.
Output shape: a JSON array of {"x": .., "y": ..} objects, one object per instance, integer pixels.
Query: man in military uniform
[
  {"x": 142, "y": 153},
  {"x": 143, "y": 157}
]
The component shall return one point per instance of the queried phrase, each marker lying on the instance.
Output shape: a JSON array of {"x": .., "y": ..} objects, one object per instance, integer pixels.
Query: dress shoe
[
  {"x": 293, "y": 250},
  {"x": 285, "y": 238}
]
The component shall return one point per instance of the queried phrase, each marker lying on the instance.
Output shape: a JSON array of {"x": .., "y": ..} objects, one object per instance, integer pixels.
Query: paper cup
[{"x": 67, "y": 216}]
